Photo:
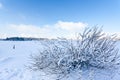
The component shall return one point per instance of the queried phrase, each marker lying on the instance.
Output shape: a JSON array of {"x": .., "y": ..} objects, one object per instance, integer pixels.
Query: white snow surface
[{"x": 13, "y": 64}]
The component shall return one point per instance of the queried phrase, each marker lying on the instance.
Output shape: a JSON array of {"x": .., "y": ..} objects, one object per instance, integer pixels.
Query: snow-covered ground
[{"x": 13, "y": 63}]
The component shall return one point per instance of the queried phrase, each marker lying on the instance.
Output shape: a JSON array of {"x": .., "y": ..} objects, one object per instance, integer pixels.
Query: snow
[{"x": 13, "y": 63}]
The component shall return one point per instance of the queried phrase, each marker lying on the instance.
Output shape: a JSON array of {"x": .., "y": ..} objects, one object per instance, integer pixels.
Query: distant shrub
[{"x": 92, "y": 48}]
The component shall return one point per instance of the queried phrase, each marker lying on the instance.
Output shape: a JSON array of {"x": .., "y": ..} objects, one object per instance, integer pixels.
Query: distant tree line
[{"x": 22, "y": 39}]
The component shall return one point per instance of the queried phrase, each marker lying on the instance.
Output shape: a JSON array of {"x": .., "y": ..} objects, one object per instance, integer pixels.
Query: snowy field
[{"x": 13, "y": 63}]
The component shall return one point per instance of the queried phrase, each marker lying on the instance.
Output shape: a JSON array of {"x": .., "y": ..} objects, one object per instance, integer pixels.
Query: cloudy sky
[{"x": 57, "y": 18}]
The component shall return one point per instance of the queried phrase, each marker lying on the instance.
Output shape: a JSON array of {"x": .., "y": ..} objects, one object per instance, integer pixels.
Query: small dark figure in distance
[{"x": 13, "y": 46}]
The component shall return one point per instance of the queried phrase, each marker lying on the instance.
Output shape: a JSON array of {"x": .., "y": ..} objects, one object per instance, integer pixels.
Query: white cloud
[
  {"x": 1, "y": 5},
  {"x": 59, "y": 29},
  {"x": 71, "y": 26}
]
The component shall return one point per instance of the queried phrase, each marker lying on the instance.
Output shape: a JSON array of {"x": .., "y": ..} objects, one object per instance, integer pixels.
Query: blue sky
[{"x": 57, "y": 18}]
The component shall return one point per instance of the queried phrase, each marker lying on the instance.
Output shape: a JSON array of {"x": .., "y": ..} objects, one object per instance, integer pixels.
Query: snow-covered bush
[
  {"x": 92, "y": 48},
  {"x": 96, "y": 49}
]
